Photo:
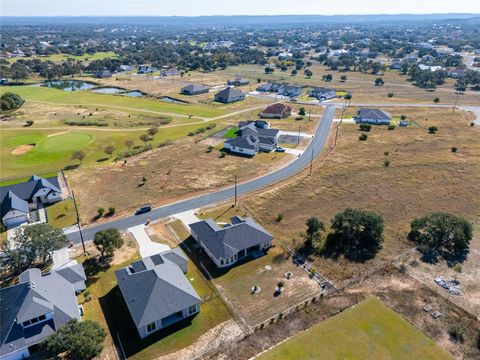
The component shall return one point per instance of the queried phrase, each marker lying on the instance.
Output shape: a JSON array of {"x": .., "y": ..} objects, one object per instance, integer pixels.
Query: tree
[
  {"x": 78, "y": 155},
  {"x": 308, "y": 73},
  {"x": 432, "y": 130},
  {"x": 145, "y": 138},
  {"x": 19, "y": 71},
  {"x": 100, "y": 211},
  {"x": 152, "y": 131},
  {"x": 128, "y": 143},
  {"x": 436, "y": 100},
  {"x": 107, "y": 241},
  {"x": 441, "y": 234},
  {"x": 357, "y": 234},
  {"x": 314, "y": 232},
  {"x": 328, "y": 77},
  {"x": 343, "y": 78},
  {"x": 379, "y": 82},
  {"x": 10, "y": 101},
  {"x": 294, "y": 72},
  {"x": 109, "y": 150},
  {"x": 76, "y": 340},
  {"x": 302, "y": 111},
  {"x": 32, "y": 245}
]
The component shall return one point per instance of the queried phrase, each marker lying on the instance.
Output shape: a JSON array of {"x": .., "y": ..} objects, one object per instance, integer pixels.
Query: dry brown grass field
[
  {"x": 361, "y": 85},
  {"x": 423, "y": 176}
]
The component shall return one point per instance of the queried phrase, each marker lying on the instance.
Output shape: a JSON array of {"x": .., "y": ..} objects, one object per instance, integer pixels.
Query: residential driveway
[
  {"x": 61, "y": 259},
  {"x": 295, "y": 152},
  {"x": 295, "y": 133},
  {"x": 345, "y": 121},
  {"x": 187, "y": 217},
  {"x": 145, "y": 244}
]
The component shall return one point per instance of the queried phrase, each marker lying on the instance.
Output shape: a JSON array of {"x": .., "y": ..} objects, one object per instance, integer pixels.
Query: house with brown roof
[{"x": 276, "y": 111}]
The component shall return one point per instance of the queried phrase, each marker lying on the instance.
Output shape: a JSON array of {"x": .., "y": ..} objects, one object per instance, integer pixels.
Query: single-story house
[
  {"x": 194, "y": 89},
  {"x": 156, "y": 291},
  {"x": 126, "y": 68},
  {"x": 238, "y": 81},
  {"x": 229, "y": 95},
  {"x": 253, "y": 136},
  {"x": 34, "y": 309},
  {"x": 322, "y": 93},
  {"x": 276, "y": 111},
  {"x": 269, "y": 87},
  {"x": 170, "y": 72},
  {"x": 100, "y": 74},
  {"x": 145, "y": 69},
  {"x": 232, "y": 242},
  {"x": 373, "y": 116},
  {"x": 19, "y": 199},
  {"x": 290, "y": 90},
  {"x": 395, "y": 66},
  {"x": 457, "y": 73}
]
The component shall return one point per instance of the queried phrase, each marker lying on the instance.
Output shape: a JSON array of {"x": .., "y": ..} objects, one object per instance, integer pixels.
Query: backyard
[{"x": 369, "y": 329}]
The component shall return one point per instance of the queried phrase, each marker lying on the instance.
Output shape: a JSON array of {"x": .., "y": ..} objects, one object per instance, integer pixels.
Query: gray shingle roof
[
  {"x": 376, "y": 114},
  {"x": 225, "y": 242},
  {"x": 154, "y": 289},
  {"x": 195, "y": 87},
  {"x": 229, "y": 93},
  {"x": 26, "y": 190},
  {"x": 34, "y": 296},
  {"x": 73, "y": 274},
  {"x": 244, "y": 142},
  {"x": 12, "y": 202}
]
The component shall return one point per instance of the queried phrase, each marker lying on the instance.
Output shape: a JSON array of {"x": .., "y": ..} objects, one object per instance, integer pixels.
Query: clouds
[{"x": 229, "y": 7}]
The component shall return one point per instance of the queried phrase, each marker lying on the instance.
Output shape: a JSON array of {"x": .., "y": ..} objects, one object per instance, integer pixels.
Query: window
[
  {"x": 221, "y": 262},
  {"x": 151, "y": 327},
  {"x": 192, "y": 309},
  {"x": 41, "y": 317}
]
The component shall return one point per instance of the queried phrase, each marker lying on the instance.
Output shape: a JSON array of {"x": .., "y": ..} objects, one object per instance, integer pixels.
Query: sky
[{"x": 231, "y": 7}]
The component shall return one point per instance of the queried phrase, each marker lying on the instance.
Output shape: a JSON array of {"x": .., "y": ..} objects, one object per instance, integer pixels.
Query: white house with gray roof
[
  {"x": 34, "y": 309},
  {"x": 253, "y": 136},
  {"x": 17, "y": 200},
  {"x": 156, "y": 291},
  {"x": 232, "y": 242}
]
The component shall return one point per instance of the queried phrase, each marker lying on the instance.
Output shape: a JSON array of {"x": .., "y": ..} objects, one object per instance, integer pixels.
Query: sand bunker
[
  {"x": 58, "y": 133},
  {"x": 22, "y": 149}
]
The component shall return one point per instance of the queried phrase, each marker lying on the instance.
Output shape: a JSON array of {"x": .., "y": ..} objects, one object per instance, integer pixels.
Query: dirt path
[{"x": 224, "y": 333}]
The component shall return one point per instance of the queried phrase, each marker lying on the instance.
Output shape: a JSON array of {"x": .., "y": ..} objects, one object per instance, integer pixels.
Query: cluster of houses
[
  {"x": 291, "y": 91},
  {"x": 155, "y": 289},
  {"x": 19, "y": 200}
]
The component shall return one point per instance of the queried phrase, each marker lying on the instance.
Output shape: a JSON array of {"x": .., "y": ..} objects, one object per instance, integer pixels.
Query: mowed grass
[
  {"x": 369, "y": 330},
  {"x": 53, "y": 149},
  {"x": 62, "y": 214},
  {"x": 86, "y": 98}
]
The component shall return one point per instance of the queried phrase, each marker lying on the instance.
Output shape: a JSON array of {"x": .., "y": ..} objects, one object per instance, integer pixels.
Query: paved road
[{"x": 300, "y": 163}]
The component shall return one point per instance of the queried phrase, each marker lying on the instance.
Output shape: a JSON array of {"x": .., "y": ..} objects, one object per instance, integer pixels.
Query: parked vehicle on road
[{"x": 144, "y": 209}]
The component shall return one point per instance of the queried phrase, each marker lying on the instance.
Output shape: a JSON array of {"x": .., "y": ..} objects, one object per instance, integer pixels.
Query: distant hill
[{"x": 238, "y": 20}]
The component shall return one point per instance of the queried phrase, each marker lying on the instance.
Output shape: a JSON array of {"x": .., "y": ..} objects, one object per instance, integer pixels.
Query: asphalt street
[{"x": 313, "y": 150}]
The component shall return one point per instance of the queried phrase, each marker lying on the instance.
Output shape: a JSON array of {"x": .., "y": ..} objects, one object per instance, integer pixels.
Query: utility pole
[
  {"x": 235, "y": 191},
  {"x": 78, "y": 222}
]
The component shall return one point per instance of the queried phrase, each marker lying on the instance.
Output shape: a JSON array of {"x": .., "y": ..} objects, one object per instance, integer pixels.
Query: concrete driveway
[
  {"x": 145, "y": 244},
  {"x": 295, "y": 152},
  {"x": 187, "y": 217}
]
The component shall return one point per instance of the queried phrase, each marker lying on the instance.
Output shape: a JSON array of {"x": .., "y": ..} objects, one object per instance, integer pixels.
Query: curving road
[{"x": 314, "y": 149}]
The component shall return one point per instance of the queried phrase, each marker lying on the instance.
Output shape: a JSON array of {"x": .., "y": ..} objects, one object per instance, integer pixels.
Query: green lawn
[
  {"x": 64, "y": 57},
  {"x": 231, "y": 133},
  {"x": 54, "y": 152},
  {"x": 62, "y": 214},
  {"x": 87, "y": 98},
  {"x": 25, "y": 178},
  {"x": 369, "y": 330}
]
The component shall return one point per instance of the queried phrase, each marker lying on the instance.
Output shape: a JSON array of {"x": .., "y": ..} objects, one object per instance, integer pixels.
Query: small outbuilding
[{"x": 194, "y": 89}]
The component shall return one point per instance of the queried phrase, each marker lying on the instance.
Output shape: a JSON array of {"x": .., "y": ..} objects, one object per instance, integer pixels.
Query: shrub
[
  {"x": 472, "y": 124},
  {"x": 191, "y": 133},
  {"x": 29, "y": 123},
  {"x": 386, "y": 163},
  {"x": 280, "y": 284},
  {"x": 132, "y": 152},
  {"x": 85, "y": 123},
  {"x": 100, "y": 211},
  {"x": 211, "y": 126},
  {"x": 391, "y": 127},
  {"x": 432, "y": 129},
  {"x": 365, "y": 127},
  {"x": 390, "y": 95},
  {"x": 165, "y": 120},
  {"x": 111, "y": 211},
  {"x": 436, "y": 100},
  {"x": 302, "y": 111},
  {"x": 454, "y": 149},
  {"x": 165, "y": 143},
  {"x": 403, "y": 117},
  {"x": 363, "y": 137},
  {"x": 222, "y": 154},
  {"x": 386, "y": 153},
  {"x": 457, "y": 332},
  {"x": 279, "y": 217}
]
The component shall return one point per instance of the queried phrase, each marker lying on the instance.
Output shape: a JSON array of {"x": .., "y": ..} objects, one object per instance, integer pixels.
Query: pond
[
  {"x": 107, "y": 90},
  {"x": 68, "y": 85},
  {"x": 132, "y": 94},
  {"x": 173, "y": 100}
]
